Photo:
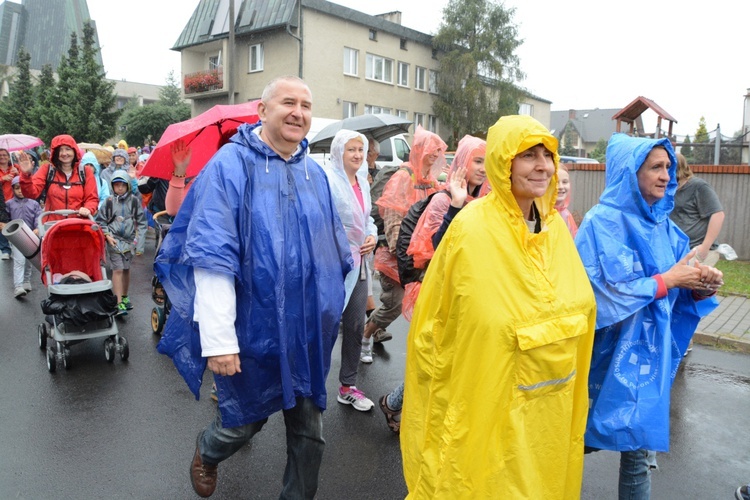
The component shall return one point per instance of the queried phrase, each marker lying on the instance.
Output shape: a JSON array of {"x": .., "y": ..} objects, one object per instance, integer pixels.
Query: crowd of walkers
[{"x": 519, "y": 318}]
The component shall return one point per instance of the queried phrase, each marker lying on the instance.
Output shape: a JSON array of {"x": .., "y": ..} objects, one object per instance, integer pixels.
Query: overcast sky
[{"x": 691, "y": 59}]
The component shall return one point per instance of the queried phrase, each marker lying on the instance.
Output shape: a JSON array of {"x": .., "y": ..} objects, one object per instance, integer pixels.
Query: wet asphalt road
[{"x": 127, "y": 429}]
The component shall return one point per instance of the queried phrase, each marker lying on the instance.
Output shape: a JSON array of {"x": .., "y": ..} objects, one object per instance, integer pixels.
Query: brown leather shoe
[{"x": 202, "y": 477}]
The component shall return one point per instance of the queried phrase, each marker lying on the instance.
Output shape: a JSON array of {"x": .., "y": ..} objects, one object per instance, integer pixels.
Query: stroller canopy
[{"x": 74, "y": 245}]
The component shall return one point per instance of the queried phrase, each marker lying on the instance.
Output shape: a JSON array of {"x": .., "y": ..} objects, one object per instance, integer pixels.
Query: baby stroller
[
  {"x": 80, "y": 304},
  {"x": 160, "y": 312}
]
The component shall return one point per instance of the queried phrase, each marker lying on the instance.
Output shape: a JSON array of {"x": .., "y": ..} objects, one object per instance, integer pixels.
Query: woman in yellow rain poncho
[{"x": 500, "y": 343}]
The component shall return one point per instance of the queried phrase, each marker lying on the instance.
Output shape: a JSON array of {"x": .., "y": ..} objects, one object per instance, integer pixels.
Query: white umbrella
[
  {"x": 17, "y": 142},
  {"x": 379, "y": 127}
]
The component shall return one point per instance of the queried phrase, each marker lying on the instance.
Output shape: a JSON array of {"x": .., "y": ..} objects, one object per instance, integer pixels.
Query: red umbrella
[{"x": 202, "y": 133}]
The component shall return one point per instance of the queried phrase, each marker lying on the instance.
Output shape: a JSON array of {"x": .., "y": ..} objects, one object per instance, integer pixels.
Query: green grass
[{"x": 736, "y": 277}]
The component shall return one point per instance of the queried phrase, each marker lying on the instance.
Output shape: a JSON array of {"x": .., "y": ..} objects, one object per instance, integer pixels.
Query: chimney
[
  {"x": 571, "y": 114},
  {"x": 394, "y": 17}
]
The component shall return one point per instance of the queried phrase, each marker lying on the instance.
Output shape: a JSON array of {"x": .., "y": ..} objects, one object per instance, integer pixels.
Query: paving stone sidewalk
[{"x": 728, "y": 325}]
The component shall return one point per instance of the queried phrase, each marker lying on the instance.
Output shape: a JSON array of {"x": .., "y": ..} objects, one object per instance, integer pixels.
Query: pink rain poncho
[
  {"x": 562, "y": 208},
  {"x": 407, "y": 186},
  {"x": 420, "y": 247}
]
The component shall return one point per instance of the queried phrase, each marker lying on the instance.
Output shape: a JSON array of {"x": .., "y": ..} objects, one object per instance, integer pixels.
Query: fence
[{"x": 731, "y": 183}]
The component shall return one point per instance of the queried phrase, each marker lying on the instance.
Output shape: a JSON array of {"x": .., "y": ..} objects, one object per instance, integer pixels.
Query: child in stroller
[
  {"x": 80, "y": 304},
  {"x": 160, "y": 312}
]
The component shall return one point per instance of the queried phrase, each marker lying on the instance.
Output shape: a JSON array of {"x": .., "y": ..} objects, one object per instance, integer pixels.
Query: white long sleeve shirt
[{"x": 216, "y": 303}]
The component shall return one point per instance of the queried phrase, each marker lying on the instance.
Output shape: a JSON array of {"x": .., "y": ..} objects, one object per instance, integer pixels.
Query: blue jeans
[
  {"x": 4, "y": 245},
  {"x": 635, "y": 474},
  {"x": 304, "y": 446}
]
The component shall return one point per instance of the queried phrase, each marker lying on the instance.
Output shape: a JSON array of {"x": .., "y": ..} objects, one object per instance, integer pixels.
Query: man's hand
[
  {"x": 110, "y": 240},
  {"x": 226, "y": 365}
]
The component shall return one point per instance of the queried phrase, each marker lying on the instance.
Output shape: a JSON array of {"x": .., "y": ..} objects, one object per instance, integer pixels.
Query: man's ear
[{"x": 261, "y": 110}]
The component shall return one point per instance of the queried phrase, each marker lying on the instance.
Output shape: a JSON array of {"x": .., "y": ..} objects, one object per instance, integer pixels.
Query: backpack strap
[{"x": 50, "y": 177}]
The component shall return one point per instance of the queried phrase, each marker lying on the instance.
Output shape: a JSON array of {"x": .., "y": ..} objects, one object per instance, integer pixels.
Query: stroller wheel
[
  {"x": 109, "y": 350},
  {"x": 42, "y": 334},
  {"x": 158, "y": 318},
  {"x": 66, "y": 358},
  {"x": 51, "y": 359},
  {"x": 124, "y": 349}
]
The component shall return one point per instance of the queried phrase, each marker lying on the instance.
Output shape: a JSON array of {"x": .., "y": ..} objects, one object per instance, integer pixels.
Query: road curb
[{"x": 722, "y": 340}]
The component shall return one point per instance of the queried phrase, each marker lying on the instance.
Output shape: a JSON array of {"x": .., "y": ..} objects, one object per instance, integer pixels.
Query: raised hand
[
  {"x": 457, "y": 187},
  {"x": 181, "y": 154},
  {"x": 24, "y": 162}
]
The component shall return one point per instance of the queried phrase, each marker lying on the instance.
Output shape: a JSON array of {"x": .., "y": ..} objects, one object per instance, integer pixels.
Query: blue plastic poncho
[
  {"x": 272, "y": 225},
  {"x": 357, "y": 223},
  {"x": 90, "y": 159},
  {"x": 639, "y": 341}
]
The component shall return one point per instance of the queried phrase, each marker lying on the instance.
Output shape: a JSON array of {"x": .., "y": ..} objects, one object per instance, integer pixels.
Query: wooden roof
[{"x": 630, "y": 113}]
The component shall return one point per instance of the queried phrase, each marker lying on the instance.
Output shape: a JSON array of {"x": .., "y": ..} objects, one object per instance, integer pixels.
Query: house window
[
  {"x": 403, "y": 74},
  {"x": 374, "y": 35},
  {"x": 374, "y": 110},
  {"x": 525, "y": 109},
  {"x": 432, "y": 123},
  {"x": 214, "y": 62},
  {"x": 256, "y": 58},
  {"x": 420, "y": 79},
  {"x": 403, "y": 44},
  {"x": 379, "y": 68},
  {"x": 351, "y": 61},
  {"x": 402, "y": 113},
  {"x": 433, "y": 81},
  {"x": 418, "y": 120},
  {"x": 350, "y": 109}
]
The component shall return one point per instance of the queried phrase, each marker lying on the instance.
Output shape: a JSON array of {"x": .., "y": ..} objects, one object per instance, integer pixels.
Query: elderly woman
[
  {"x": 500, "y": 342},
  {"x": 347, "y": 176},
  {"x": 67, "y": 187},
  {"x": 646, "y": 287}
]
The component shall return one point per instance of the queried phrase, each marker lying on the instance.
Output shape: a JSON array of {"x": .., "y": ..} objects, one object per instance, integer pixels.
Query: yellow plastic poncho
[{"x": 499, "y": 348}]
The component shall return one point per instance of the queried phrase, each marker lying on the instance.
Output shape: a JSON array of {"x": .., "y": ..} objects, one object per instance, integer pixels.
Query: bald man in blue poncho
[
  {"x": 254, "y": 266},
  {"x": 647, "y": 289}
]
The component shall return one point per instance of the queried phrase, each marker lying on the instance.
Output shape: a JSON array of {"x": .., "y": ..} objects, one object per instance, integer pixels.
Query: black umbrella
[{"x": 380, "y": 127}]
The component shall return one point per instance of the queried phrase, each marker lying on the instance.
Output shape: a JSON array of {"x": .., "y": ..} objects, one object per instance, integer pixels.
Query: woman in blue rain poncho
[
  {"x": 637, "y": 262},
  {"x": 350, "y": 190},
  {"x": 500, "y": 342}
]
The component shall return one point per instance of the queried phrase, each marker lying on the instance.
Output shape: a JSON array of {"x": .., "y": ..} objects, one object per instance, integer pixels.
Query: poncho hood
[
  {"x": 625, "y": 155},
  {"x": 90, "y": 159},
  {"x": 506, "y": 138}
]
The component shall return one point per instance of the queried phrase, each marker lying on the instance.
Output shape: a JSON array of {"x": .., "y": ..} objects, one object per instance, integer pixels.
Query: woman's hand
[
  {"x": 180, "y": 157},
  {"x": 24, "y": 162},
  {"x": 84, "y": 212},
  {"x": 226, "y": 365},
  {"x": 368, "y": 246},
  {"x": 457, "y": 187},
  {"x": 690, "y": 274}
]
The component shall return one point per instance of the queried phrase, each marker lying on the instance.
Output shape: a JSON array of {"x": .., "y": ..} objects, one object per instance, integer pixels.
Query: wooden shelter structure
[{"x": 630, "y": 114}]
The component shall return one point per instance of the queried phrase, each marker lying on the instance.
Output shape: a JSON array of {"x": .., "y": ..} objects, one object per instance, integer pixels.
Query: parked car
[{"x": 577, "y": 159}]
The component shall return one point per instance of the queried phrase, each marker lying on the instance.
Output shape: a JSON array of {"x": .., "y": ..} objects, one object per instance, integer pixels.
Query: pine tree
[
  {"x": 687, "y": 150},
  {"x": 40, "y": 116},
  {"x": 478, "y": 66},
  {"x": 62, "y": 116},
  {"x": 702, "y": 150},
  {"x": 15, "y": 110}
]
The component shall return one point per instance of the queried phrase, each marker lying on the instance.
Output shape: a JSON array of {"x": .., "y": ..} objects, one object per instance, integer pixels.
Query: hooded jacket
[
  {"x": 272, "y": 225},
  {"x": 499, "y": 347},
  {"x": 357, "y": 223},
  {"x": 103, "y": 189},
  {"x": 107, "y": 173},
  {"x": 63, "y": 193},
  {"x": 123, "y": 218},
  {"x": 640, "y": 340}
]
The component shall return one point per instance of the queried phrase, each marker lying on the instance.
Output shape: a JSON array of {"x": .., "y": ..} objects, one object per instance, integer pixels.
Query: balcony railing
[{"x": 203, "y": 81}]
